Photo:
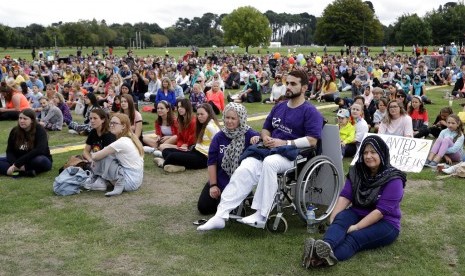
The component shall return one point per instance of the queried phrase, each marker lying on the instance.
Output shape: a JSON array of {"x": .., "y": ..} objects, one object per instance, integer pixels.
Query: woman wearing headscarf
[
  {"x": 374, "y": 189},
  {"x": 223, "y": 155},
  {"x": 250, "y": 94}
]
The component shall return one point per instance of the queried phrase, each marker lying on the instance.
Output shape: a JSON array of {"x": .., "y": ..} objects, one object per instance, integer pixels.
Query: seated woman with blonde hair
[{"x": 122, "y": 162}]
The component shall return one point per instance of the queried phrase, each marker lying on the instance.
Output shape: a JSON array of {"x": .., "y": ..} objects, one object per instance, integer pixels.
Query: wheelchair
[{"x": 314, "y": 180}]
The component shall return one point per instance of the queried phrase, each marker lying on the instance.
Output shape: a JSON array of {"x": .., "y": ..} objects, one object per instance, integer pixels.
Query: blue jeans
[
  {"x": 39, "y": 163},
  {"x": 346, "y": 245}
]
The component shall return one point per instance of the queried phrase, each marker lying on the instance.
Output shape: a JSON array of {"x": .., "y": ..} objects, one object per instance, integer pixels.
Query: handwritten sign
[{"x": 407, "y": 154}]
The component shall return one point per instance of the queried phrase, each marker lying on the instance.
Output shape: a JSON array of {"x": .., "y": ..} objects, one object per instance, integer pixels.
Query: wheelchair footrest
[{"x": 257, "y": 224}]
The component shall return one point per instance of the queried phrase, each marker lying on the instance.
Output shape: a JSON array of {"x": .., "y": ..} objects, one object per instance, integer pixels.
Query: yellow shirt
[
  {"x": 207, "y": 138},
  {"x": 347, "y": 133}
]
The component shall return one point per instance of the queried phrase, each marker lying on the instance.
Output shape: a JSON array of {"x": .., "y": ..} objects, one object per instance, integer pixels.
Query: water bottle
[
  {"x": 311, "y": 221},
  {"x": 451, "y": 98}
]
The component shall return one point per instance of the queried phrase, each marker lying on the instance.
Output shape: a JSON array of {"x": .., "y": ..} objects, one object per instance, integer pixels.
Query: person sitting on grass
[
  {"x": 197, "y": 97},
  {"x": 128, "y": 107},
  {"x": 278, "y": 90},
  {"x": 346, "y": 130},
  {"x": 250, "y": 94},
  {"x": 367, "y": 214},
  {"x": 59, "y": 101},
  {"x": 51, "y": 116},
  {"x": 380, "y": 113},
  {"x": 84, "y": 128},
  {"x": 100, "y": 135},
  {"x": 223, "y": 155},
  {"x": 418, "y": 89},
  {"x": 361, "y": 128},
  {"x": 186, "y": 123},
  {"x": 166, "y": 93},
  {"x": 449, "y": 144},
  {"x": 459, "y": 87},
  {"x": 122, "y": 162},
  {"x": 27, "y": 151},
  {"x": 396, "y": 122},
  {"x": 419, "y": 116},
  {"x": 440, "y": 123},
  {"x": 180, "y": 159},
  {"x": 215, "y": 97},
  {"x": 15, "y": 101},
  {"x": 166, "y": 129}
]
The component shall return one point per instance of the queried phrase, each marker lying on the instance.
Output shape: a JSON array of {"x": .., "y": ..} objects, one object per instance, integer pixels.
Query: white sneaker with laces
[{"x": 72, "y": 131}]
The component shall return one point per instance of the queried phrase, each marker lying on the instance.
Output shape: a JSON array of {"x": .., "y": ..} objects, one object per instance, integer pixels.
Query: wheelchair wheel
[
  {"x": 317, "y": 185},
  {"x": 276, "y": 224}
]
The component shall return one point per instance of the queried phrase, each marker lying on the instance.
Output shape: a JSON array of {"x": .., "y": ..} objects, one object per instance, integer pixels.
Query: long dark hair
[
  {"x": 93, "y": 102},
  {"x": 200, "y": 128},
  {"x": 169, "y": 115},
  {"x": 131, "y": 109},
  {"x": 23, "y": 86},
  {"x": 103, "y": 116},
  {"x": 7, "y": 90},
  {"x": 24, "y": 137},
  {"x": 184, "y": 121},
  {"x": 421, "y": 109}
]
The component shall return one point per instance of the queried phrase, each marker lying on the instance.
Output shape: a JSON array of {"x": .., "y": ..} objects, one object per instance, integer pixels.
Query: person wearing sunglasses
[
  {"x": 278, "y": 91},
  {"x": 402, "y": 98}
]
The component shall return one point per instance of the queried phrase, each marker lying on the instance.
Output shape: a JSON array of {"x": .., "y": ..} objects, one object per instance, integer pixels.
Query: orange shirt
[
  {"x": 217, "y": 98},
  {"x": 23, "y": 103}
]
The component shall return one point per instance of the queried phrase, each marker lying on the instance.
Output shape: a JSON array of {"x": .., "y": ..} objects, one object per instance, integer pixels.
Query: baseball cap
[{"x": 343, "y": 113}]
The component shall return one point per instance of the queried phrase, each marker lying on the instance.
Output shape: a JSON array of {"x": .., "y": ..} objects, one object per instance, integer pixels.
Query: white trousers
[{"x": 247, "y": 175}]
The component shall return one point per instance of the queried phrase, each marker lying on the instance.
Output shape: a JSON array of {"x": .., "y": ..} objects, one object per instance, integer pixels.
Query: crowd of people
[{"x": 387, "y": 96}]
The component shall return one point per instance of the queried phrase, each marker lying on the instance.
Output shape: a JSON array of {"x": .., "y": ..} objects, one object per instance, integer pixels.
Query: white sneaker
[
  {"x": 157, "y": 153},
  {"x": 449, "y": 170},
  {"x": 99, "y": 184},
  {"x": 148, "y": 149},
  {"x": 72, "y": 131}
]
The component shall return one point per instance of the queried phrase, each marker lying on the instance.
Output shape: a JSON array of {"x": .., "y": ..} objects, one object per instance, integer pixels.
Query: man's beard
[{"x": 289, "y": 95}]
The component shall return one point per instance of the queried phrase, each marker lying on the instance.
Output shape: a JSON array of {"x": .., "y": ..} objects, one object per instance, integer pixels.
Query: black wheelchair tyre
[{"x": 317, "y": 185}]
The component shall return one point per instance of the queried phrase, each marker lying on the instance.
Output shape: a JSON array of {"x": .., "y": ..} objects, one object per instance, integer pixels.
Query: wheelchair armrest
[{"x": 304, "y": 153}]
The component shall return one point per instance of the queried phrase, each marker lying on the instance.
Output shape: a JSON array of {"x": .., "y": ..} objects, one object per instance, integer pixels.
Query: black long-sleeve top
[{"x": 20, "y": 156}]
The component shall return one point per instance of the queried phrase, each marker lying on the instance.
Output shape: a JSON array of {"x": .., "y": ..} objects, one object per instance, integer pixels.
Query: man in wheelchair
[{"x": 292, "y": 124}]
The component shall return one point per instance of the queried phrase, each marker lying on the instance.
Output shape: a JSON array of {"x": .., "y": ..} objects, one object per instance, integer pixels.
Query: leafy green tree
[
  {"x": 246, "y": 26},
  {"x": 413, "y": 30},
  {"x": 160, "y": 40},
  {"x": 5, "y": 36},
  {"x": 446, "y": 23},
  {"x": 348, "y": 22}
]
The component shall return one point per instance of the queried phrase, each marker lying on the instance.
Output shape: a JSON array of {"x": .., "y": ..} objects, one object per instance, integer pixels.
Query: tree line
[{"x": 343, "y": 22}]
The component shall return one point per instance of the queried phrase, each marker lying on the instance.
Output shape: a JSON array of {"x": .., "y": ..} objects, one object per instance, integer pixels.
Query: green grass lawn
[
  {"x": 150, "y": 231},
  {"x": 178, "y": 52}
]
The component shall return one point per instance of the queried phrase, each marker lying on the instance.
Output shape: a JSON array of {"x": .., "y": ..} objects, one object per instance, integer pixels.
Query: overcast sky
[{"x": 166, "y": 13}]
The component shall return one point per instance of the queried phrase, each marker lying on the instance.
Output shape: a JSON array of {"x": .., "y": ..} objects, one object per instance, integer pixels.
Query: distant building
[{"x": 275, "y": 44}]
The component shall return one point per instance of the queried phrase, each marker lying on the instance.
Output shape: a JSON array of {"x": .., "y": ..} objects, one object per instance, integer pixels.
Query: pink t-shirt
[{"x": 401, "y": 126}]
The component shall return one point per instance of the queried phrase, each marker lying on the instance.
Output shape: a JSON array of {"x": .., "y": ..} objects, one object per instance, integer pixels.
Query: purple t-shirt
[
  {"x": 389, "y": 198},
  {"x": 288, "y": 123},
  {"x": 216, "y": 152}
]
